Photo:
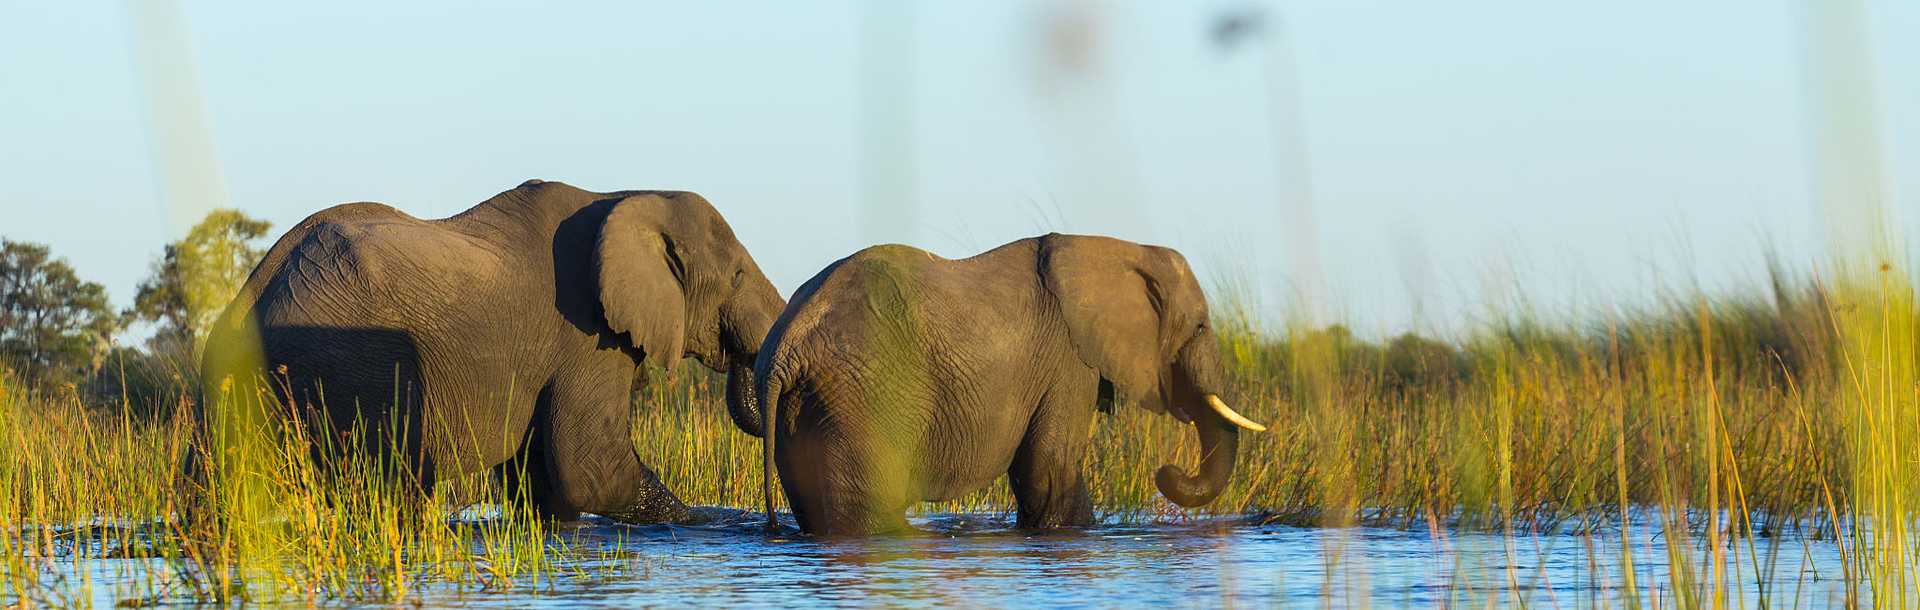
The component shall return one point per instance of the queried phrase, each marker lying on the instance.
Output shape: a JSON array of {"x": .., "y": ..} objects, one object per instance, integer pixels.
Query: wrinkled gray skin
[
  {"x": 506, "y": 337},
  {"x": 896, "y": 376}
]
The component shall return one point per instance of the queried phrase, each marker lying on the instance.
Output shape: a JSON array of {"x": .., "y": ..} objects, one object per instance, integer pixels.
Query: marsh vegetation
[{"x": 1724, "y": 431}]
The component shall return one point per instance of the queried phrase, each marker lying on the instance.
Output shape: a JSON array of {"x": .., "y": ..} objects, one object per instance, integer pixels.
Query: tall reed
[{"x": 1711, "y": 424}]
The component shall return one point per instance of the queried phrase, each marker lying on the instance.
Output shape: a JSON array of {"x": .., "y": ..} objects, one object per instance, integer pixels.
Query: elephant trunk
[
  {"x": 743, "y": 400},
  {"x": 746, "y": 320},
  {"x": 1195, "y": 378},
  {"x": 1219, "y": 444},
  {"x": 771, "y": 385}
]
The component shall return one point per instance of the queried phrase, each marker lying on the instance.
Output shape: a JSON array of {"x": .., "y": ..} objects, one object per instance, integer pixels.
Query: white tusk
[{"x": 1236, "y": 418}]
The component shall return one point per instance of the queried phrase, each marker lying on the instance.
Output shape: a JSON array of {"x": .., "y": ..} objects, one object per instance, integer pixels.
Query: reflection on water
[
  {"x": 983, "y": 561},
  {"x": 974, "y": 560}
]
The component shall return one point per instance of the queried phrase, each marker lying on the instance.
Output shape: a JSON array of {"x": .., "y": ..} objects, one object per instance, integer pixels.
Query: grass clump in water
[{"x": 1713, "y": 425}]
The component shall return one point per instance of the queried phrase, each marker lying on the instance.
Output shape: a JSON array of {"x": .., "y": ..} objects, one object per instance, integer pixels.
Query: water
[{"x": 981, "y": 561}]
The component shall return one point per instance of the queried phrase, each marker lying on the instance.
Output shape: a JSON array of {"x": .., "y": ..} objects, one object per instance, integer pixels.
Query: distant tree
[
  {"x": 1415, "y": 363},
  {"x": 195, "y": 277},
  {"x": 54, "y": 328}
]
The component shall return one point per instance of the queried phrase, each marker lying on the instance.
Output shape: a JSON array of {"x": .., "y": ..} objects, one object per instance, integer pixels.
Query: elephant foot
[{"x": 656, "y": 506}]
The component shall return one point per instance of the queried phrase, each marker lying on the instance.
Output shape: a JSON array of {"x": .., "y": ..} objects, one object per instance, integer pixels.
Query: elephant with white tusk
[{"x": 895, "y": 376}]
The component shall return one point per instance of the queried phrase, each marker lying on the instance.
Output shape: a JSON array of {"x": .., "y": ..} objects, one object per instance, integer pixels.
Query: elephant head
[
  {"x": 675, "y": 281},
  {"x": 1136, "y": 314}
]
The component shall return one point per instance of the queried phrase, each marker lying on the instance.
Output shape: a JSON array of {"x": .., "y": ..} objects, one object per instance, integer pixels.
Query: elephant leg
[
  {"x": 590, "y": 454},
  {"x": 872, "y": 507},
  {"x": 524, "y": 479},
  {"x": 841, "y": 484},
  {"x": 1045, "y": 475}
]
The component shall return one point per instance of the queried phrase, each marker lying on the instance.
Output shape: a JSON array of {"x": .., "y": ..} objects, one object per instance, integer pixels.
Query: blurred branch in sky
[
  {"x": 193, "y": 187},
  {"x": 1083, "y": 125},
  {"x": 190, "y": 180},
  {"x": 1233, "y": 30},
  {"x": 1844, "y": 121},
  {"x": 886, "y": 121},
  {"x": 1073, "y": 33}
]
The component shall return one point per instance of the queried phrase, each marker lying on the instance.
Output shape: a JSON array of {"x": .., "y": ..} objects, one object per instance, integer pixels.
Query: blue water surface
[{"x": 982, "y": 561}]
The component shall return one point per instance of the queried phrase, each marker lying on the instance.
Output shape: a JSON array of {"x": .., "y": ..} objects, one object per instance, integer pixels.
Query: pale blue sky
[{"x": 1580, "y": 153}]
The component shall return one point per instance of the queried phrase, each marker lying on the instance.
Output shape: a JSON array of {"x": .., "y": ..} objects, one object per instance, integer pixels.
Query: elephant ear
[
  {"x": 640, "y": 278},
  {"x": 1114, "y": 312}
]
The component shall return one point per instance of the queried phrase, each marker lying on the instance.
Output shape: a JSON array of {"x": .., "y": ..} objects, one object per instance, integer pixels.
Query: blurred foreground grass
[{"x": 1790, "y": 408}]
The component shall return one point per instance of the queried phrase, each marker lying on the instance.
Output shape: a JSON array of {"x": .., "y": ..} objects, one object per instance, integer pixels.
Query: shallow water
[{"x": 980, "y": 560}]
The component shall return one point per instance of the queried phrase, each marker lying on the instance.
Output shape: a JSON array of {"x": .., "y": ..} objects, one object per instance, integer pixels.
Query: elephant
[
  {"x": 897, "y": 376},
  {"x": 506, "y": 337}
]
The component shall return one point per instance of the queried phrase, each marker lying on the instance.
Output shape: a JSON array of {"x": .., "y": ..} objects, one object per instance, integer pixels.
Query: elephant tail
[{"x": 771, "y": 386}]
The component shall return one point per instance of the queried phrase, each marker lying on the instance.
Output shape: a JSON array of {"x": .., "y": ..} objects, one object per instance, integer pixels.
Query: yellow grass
[{"x": 1721, "y": 421}]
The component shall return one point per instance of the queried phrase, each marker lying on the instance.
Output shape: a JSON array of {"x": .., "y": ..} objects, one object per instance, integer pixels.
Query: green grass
[
  {"x": 1786, "y": 409},
  {"x": 1792, "y": 408}
]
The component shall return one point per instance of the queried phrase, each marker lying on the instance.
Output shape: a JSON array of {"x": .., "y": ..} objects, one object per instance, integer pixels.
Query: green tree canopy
[
  {"x": 196, "y": 276},
  {"x": 54, "y": 328}
]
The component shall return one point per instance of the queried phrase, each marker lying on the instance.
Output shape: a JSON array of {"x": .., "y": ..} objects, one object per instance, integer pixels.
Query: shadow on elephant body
[
  {"x": 357, "y": 391},
  {"x": 360, "y": 399},
  {"x": 573, "y": 241}
]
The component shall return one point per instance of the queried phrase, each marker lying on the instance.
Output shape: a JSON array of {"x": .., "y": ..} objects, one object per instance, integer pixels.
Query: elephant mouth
[
  {"x": 1218, "y": 427},
  {"x": 743, "y": 403},
  {"x": 1211, "y": 405}
]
